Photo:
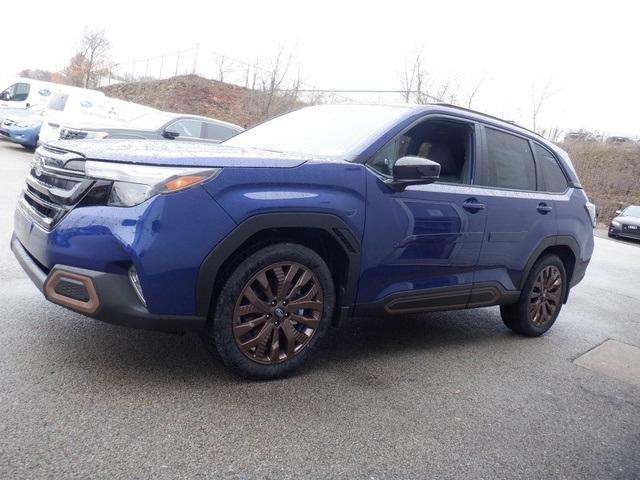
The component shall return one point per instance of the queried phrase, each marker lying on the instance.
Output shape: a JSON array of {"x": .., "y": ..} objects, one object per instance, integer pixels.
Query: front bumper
[
  {"x": 108, "y": 297},
  {"x": 625, "y": 231},
  {"x": 23, "y": 136}
]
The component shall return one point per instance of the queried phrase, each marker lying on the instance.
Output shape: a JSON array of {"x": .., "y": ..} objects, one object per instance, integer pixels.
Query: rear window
[
  {"x": 213, "y": 131},
  {"x": 554, "y": 179},
  {"x": 509, "y": 163}
]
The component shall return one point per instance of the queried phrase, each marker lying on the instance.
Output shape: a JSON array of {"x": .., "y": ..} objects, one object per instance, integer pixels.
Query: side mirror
[
  {"x": 413, "y": 171},
  {"x": 5, "y": 96},
  {"x": 618, "y": 212},
  {"x": 170, "y": 134}
]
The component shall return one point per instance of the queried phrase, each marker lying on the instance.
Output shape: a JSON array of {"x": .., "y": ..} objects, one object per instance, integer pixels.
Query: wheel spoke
[
  {"x": 274, "y": 352},
  {"x": 308, "y": 321},
  {"x": 287, "y": 282},
  {"x": 246, "y": 327},
  {"x": 264, "y": 283},
  {"x": 260, "y": 337},
  {"x": 302, "y": 281},
  {"x": 255, "y": 301},
  {"x": 292, "y": 335}
]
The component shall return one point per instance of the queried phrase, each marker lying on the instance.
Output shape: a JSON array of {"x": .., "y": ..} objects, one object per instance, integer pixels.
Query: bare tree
[
  {"x": 414, "y": 80},
  {"x": 225, "y": 65},
  {"x": 537, "y": 102},
  {"x": 274, "y": 77},
  {"x": 90, "y": 60},
  {"x": 474, "y": 92}
]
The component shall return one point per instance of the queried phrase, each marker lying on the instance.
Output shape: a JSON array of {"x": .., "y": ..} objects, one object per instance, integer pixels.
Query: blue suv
[{"x": 329, "y": 212}]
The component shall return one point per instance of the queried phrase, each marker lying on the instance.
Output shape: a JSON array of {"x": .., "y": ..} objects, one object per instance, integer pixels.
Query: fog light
[{"x": 135, "y": 281}]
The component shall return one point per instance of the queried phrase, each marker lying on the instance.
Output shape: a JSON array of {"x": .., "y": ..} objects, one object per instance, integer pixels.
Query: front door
[{"x": 421, "y": 245}]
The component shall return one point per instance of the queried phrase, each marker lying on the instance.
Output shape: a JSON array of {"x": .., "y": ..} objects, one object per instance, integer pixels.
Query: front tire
[
  {"x": 273, "y": 311},
  {"x": 540, "y": 300}
]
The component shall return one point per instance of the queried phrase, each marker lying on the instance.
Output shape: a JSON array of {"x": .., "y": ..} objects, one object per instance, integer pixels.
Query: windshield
[
  {"x": 632, "y": 211},
  {"x": 150, "y": 121},
  {"x": 328, "y": 130}
]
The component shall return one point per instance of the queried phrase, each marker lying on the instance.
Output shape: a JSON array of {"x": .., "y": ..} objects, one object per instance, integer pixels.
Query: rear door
[{"x": 519, "y": 216}]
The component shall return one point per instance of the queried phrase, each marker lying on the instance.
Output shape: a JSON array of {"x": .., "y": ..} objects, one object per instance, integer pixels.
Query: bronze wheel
[
  {"x": 545, "y": 296},
  {"x": 541, "y": 298},
  {"x": 277, "y": 312}
]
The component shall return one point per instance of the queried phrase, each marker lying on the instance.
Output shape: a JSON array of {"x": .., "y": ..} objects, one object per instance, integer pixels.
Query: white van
[
  {"x": 23, "y": 93},
  {"x": 85, "y": 106}
]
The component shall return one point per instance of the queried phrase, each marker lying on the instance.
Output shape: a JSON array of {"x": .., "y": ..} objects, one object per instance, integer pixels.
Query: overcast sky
[{"x": 588, "y": 52}]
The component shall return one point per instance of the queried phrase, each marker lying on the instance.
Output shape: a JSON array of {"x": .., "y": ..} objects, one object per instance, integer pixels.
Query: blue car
[
  {"x": 264, "y": 241},
  {"x": 21, "y": 130}
]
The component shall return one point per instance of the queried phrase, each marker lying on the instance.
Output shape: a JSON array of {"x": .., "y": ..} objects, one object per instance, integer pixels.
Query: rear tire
[
  {"x": 540, "y": 300},
  {"x": 273, "y": 310}
]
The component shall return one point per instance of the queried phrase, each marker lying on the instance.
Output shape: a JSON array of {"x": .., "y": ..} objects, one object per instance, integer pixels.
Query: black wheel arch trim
[
  {"x": 552, "y": 241},
  {"x": 330, "y": 223}
]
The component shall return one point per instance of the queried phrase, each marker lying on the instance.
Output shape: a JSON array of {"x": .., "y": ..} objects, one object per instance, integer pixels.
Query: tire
[
  {"x": 273, "y": 311},
  {"x": 540, "y": 300},
  {"x": 611, "y": 235}
]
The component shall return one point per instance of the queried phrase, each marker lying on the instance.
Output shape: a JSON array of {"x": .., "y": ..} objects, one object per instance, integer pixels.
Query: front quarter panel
[{"x": 336, "y": 188}]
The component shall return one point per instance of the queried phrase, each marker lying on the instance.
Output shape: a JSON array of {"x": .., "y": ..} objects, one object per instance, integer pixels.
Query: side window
[
  {"x": 9, "y": 93},
  {"x": 446, "y": 142},
  {"x": 213, "y": 131},
  {"x": 554, "y": 179},
  {"x": 22, "y": 92},
  {"x": 187, "y": 128},
  {"x": 58, "y": 102},
  {"x": 509, "y": 162}
]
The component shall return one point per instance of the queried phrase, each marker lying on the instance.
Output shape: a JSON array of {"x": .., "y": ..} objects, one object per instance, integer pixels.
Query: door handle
[
  {"x": 473, "y": 205},
  {"x": 543, "y": 208}
]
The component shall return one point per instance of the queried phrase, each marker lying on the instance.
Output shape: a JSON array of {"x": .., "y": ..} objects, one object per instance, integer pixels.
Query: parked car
[
  {"x": 626, "y": 223},
  {"x": 157, "y": 126},
  {"x": 23, "y": 130},
  {"x": 306, "y": 220}
]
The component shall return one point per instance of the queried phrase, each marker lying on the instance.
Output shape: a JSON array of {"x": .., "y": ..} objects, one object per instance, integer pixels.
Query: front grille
[
  {"x": 628, "y": 230},
  {"x": 55, "y": 185},
  {"x": 70, "y": 134}
]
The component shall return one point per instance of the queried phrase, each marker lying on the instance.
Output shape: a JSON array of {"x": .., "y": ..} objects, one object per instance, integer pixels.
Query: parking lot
[{"x": 448, "y": 395}]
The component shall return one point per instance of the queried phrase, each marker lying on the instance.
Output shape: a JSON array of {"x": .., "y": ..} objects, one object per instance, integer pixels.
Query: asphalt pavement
[{"x": 448, "y": 395}]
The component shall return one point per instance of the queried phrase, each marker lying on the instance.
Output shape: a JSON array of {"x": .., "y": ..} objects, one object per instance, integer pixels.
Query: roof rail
[{"x": 444, "y": 104}]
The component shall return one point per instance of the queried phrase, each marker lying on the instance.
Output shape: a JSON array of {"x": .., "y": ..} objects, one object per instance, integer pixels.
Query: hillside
[
  {"x": 199, "y": 96},
  {"x": 610, "y": 174}
]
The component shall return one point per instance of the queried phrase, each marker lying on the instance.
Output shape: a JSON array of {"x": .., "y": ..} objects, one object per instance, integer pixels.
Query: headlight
[
  {"x": 133, "y": 184},
  {"x": 616, "y": 224},
  {"x": 96, "y": 135},
  {"x": 26, "y": 124}
]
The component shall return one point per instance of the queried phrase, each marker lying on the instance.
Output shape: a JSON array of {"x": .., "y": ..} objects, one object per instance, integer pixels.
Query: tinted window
[
  {"x": 213, "y": 131},
  {"x": 509, "y": 163},
  {"x": 58, "y": 102},
  {"x": 22, "y": 92},
  {"x": 187, "y": 128},
  {"x": 18, "y": 92},
  {"x": 442, "y": 141},
  {"x": 553, "y": 177}
]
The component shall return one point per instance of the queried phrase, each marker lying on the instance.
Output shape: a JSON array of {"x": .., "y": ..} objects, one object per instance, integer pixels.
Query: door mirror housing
[
  {"x": 170, "y": 134},
  {"x": 618, "y": 212},
  {"x": 411, "y": 170}
]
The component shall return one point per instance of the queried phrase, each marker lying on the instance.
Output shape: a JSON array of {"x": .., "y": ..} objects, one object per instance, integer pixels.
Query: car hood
[
  {"x": 169, "y": 152},
  {"x": 628, "y": 220}
]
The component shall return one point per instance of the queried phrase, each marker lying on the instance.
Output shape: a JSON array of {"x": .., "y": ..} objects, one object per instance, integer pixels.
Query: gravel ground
[{"x": 450, "y": 395}]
